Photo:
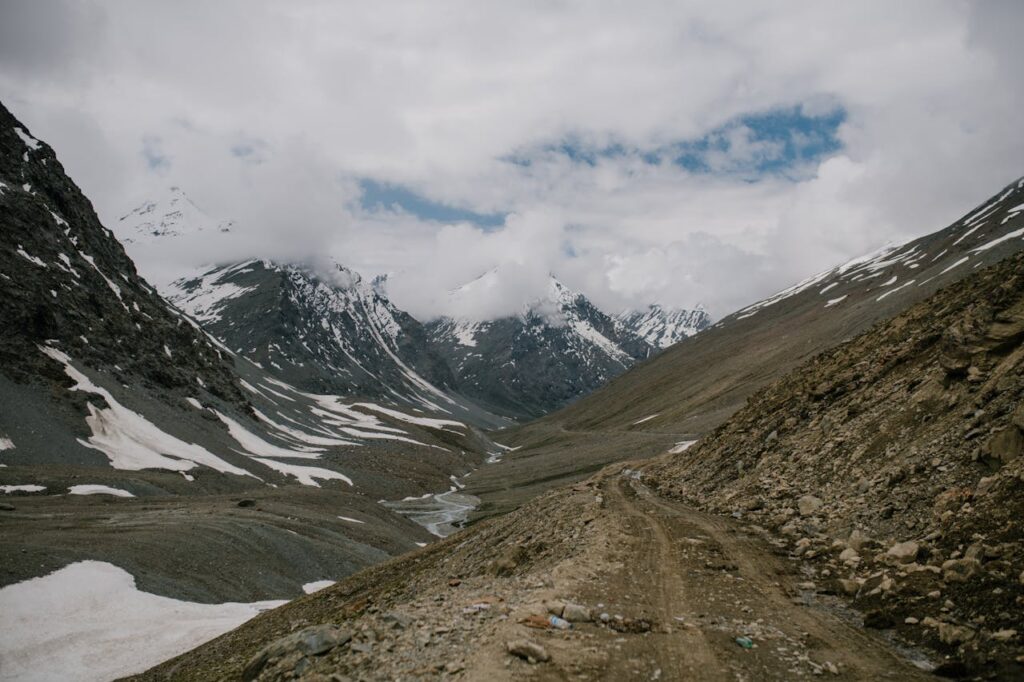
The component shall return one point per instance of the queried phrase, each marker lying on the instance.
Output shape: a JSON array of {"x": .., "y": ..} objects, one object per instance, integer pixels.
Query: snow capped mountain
[
  {"x": 662, "y": 328},
  {"x": 330, "y": 332},
  {"x": 171, "y": 215},
  {"x": 557, "y": 348}
]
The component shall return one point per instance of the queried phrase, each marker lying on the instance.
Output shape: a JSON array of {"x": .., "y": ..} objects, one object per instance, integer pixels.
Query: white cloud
[{"x": 271, "y": 112}]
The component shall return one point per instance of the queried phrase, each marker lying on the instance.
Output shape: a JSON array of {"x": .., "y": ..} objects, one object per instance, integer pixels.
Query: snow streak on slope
[{"x": 132, "y": 442}]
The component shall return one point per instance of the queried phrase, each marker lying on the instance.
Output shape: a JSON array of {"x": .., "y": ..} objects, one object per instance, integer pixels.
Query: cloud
[{"x": 436, "y": 141}]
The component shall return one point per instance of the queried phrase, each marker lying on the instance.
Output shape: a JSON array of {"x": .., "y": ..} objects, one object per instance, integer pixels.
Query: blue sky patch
[
  {"x": 379, "y": 196},
  {"x": 154, "y": 155},
  {"x": 777, "y": 141}
]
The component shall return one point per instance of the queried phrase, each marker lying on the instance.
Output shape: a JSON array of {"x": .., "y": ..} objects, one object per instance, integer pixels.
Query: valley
[{"x": 305, "y": 481}]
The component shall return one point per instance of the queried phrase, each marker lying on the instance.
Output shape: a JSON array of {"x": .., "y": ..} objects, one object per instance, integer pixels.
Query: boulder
[
  {"x": 960, "y": 570},
  {"x": 954, "y": 634},
  {"x": 808, "y": 505},
  {"x": 1005, "y": 445},
  {"x": 528, "y": 651},
  {"x": 314, "y": 641},
  {"x": 575, "y": 613},
  {"x": 904, "y": 552}
]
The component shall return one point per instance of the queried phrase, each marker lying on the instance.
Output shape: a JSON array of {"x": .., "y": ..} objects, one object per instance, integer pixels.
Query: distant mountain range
[{"x": 334, "y": 331}]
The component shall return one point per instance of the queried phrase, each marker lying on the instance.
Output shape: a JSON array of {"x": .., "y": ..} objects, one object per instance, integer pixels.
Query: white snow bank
[
  {"x": 94, "y": 489},
  {"x": 22, "y": 488},
  {"x": 6, "y": 443},
  {"x": 88, "y": 621},
  {"x": 132, "y": 442},
  {"x": 316, "y": 586},
  {"x": 30, "y": 142},
  {"x": 682, "y": 446},
  {"x": 645, "y": 419},
  {"x": 350, "y": 519}
]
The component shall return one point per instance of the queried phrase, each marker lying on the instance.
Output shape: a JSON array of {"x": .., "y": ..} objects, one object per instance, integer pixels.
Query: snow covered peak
[
  {"x": 663, "y": 327},
  {"x": 171, "y": 215}
]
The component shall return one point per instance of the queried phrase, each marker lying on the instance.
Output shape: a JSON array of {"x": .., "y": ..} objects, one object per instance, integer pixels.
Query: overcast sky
[{"x": 642, "y": 151}]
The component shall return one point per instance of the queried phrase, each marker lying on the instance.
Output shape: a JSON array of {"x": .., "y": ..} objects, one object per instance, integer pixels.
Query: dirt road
[
  {"x": 706, "y": 582},
  {"x": 675, "y": 594}
]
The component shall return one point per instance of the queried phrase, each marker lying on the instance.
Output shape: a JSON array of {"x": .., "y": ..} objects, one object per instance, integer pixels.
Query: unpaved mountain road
[
  {"x": 680, "y": 592},
  {"x": 709, "y": 582}
]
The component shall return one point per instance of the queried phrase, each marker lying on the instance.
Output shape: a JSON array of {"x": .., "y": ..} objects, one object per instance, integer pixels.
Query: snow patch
[
  {"x": 316, "y": 586},
  {"x": 89, "y": 622},
  {"x": 132, "y": 442},
  {"x": 22, "y": 488},
  {"x": 93, "y": 489}
]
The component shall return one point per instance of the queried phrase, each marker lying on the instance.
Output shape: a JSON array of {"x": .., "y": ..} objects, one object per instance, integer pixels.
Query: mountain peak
[
  {"x": 662, "y": 327},
  {"x": 172, "y": 215}
]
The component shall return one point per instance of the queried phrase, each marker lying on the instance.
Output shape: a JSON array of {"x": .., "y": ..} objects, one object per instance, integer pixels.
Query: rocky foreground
[{"x": 616, "y": 583}]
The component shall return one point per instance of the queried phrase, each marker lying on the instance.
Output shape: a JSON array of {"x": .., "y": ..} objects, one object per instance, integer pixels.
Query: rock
[
  {"x": 985, "y": 485},
  {"x": 849, "y": 556},
  {"x": 904, "y": 552},
  {"x": 399, "y": 621},
  {"x": 808, "y": 505},
  {"x": 857, "y": 540},
  {"x": 555, "y": 608},
  {"x": 960, "y": 570},
  {"x": 1004, "y": 635},
  {"x": 849, "y": 587},
  {"x": 1018, "y": 417},
  {"x": 6, "y": 507},
  {"x": 878, "y": 619},
  {"x": 1005, "y": 445},
  {"x": 753, "y": 504},
  {"x": 528, "y": 651},
  {"x": 454, "y": 582},
  {"x": 504, "y": 565},
  {"x": 247, "y": 503},
  {"x": 574, "y": 613},
  {"x": 313, "y": 641},
  {"x": 954, "y": 634}
]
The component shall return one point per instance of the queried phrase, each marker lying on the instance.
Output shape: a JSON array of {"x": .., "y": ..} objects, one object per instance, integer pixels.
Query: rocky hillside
[
  {"x": 559, "y": 348},
  {"x": 127, "y": 432},
  {"x": 877, "y": 487},
  {"x": 327, "y": 332},
  {"x": 66, "y": 282},
  {"x": 893, "y": 465},
  {"x": 661, "y": 327},
  {"x": 695, "y": 385}
]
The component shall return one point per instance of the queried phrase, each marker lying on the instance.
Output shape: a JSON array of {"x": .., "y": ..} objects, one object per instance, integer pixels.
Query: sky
[{"x": 644, "y": 152}]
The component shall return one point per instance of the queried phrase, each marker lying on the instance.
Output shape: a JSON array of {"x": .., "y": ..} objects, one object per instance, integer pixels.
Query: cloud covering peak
[{"x": 647, "y": 153}]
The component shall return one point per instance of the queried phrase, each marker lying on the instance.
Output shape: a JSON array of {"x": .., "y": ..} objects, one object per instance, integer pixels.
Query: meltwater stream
[{"x": 443, "y": 513}]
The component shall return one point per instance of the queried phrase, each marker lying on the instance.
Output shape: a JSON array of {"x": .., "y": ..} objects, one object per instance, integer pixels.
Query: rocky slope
[
  {"x": 327, "y": 332},
  {"x": 893, "y": 465},
  {"x": 695, "y": 385},
  {"x": 884, "y": 475},
  {"x": 105, "y": 385},
  {"x": 661, "y": 327},
  {"x": 559, "y": 348}
]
